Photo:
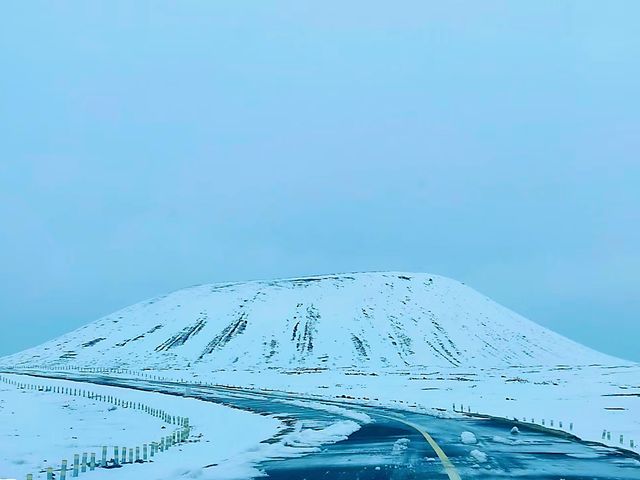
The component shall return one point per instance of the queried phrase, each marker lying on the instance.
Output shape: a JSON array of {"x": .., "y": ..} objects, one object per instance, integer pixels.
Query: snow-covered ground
[{"x": 38, "y": 429}]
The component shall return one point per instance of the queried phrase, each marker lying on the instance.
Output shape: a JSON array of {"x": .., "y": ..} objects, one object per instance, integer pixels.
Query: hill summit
[{"x": 369, "y": 321}]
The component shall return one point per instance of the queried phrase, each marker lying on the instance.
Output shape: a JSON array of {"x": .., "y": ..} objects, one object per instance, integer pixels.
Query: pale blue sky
[{"x": 148, "y": 146}]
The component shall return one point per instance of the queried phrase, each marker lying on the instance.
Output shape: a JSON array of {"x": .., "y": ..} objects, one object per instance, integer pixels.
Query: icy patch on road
[
  {"x": 344, "y": 412},
  {"x": 506, "y": 441},
  {"x": 584, "y": 455}
]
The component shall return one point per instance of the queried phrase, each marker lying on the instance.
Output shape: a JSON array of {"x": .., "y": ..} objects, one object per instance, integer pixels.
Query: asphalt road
[{"x": 401, "y": 445}]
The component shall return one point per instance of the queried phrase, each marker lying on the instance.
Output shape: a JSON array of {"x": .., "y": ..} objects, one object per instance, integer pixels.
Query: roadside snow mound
[
  {"x": 400, "y": 445},
  {"x": 468, "y": 438},
  {"x": 369, "y": 321},
  {"x": 479, "y": 456},
  {"x": 309, "y": 437}
]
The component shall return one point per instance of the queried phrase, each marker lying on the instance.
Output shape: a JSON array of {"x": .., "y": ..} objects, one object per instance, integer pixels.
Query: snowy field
[
  {"x": 589, "y": 399},
  {"x": 39, "y": 429}
]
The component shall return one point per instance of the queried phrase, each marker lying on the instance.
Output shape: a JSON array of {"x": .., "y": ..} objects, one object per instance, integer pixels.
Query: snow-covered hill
[{"x": 370, "y": 321}]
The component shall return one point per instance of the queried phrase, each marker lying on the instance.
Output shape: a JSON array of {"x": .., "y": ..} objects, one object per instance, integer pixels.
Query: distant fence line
[
  {"x": 550, "y": 424},
  {"x": 120, "y": 455}
]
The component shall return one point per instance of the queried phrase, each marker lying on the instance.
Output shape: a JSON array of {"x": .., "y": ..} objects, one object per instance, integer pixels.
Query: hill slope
[{"x": 364, "y": 320}]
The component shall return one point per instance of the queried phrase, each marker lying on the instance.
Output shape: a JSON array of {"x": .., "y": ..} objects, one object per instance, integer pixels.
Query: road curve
[
  {"x": 451, "y": 471},
  {"x": 403, "y": 445}
]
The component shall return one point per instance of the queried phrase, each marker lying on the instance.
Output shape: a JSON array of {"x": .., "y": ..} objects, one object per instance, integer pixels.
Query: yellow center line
[{"x": 446, "y": 463}]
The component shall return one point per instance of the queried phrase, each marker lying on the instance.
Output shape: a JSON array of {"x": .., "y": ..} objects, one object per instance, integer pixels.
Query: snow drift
[{"x": 368, "y": 321}]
